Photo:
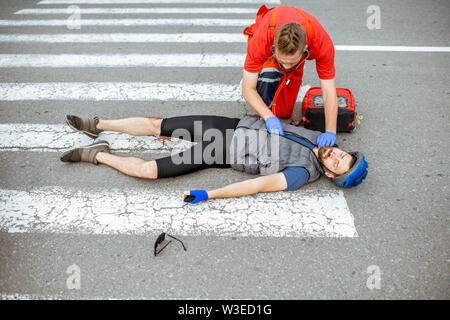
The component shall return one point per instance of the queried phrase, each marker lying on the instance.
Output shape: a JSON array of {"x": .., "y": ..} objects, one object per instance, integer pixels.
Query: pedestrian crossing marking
[
  {"x": 83, "y": 11},
  {"x": 126, "y": 91},
  {"x": 69, "y": 2},
  {"x": 59, "y": 137},
  {"x": 187, "y": 60},
  {"x": 126, "y": 37},
  {"x": 202, "y": 22},
  {"x": 54, "y": 209}
]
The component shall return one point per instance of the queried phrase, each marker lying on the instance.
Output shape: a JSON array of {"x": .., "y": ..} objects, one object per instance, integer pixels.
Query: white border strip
[
  {"x": 281, "y": 214},
  {"x": 69, "y": 2},
  {"x": 59, "y": 137},
  {"x": 120, "y": 60},
  {"x": 25, "y": 296},
  {"x": 182, "y": 38},
  {"x": 129, "y": 22},
  {"x": 392, "y": 48},
  {"x": 83, "y": 11},
  {"x": 126, "y": 37},
  {"x": 130, "y": 91}
]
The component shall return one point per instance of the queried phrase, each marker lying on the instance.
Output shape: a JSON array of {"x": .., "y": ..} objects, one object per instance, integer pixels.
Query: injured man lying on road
[{"x": 285, "y": 162}]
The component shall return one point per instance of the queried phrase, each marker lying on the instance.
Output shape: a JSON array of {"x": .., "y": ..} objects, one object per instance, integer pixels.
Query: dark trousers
[{"x": 170, "y": 166}]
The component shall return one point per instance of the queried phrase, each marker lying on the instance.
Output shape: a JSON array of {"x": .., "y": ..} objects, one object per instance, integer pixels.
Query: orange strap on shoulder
[
  {"x": 309, "y": 28},
  {"x": 273, "y": 22}
]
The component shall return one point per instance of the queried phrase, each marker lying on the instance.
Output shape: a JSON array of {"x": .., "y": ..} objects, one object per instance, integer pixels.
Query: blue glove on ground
[
  {"x": 200, "y": 195},
  {"x": 326, "y": 139},
  {"x": 274, "y": 126}
]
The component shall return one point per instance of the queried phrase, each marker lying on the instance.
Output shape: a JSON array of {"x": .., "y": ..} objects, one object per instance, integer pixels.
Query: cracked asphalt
[{"x": 401, "y": 210}]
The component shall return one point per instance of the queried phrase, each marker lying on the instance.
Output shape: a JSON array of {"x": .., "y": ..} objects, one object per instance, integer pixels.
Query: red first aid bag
[{"x": 313, "y": 110}]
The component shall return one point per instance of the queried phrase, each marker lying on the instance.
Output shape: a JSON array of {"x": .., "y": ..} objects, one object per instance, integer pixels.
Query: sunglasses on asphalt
[{"x": 160, "y": 240}]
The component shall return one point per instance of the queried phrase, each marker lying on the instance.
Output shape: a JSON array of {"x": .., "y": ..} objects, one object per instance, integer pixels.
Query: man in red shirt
[{"x": 279, "y": 43}]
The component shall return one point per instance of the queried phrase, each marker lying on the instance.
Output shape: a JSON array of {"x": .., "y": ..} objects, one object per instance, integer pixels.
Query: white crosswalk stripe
[
  {"x": 69, "y": 2},
  {"x": 56, "y": 138},
  {"x": 126, "y": 37},
  {"x": 121, "y": 60},
  {"x": 129, "y": 91},
  {"x": 112, "y": 11},
  {"x": 61, "y": 210},
  {"x": 184, "y": 38},
  {"x": 21, "y": 296},
  {"x": 202, "y": 22}
]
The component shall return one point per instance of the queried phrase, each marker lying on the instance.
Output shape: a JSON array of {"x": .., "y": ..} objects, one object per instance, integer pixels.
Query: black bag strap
[{"x": 302, "y": 141}]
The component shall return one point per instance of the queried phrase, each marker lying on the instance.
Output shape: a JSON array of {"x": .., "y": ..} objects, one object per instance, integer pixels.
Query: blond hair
[{"x": 290, "y": 38}]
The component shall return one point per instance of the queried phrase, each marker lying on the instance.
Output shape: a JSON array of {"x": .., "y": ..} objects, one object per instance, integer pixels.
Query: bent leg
[
  {"x": 268, "y": 82},
  {"x": 139, "y": 126},
  {"x": 131, "y": 166},
  {"x": 184, "y": 162}
]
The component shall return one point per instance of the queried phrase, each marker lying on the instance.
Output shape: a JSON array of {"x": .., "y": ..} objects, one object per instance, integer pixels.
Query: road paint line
[
  {"x": 281, "y": 214},
  {"x": 392, "y": 48},
  {"x": 58, "y": 138},
  {"x": 302, "y": 92},
  {"x": 69, "y": 2},
  {"x": 182, "y": 38},
  {"x": 65, "y": 11},
  {"x": 129, "y": 91},
  {"x": 207, "y": 22},
  {"x": 127, "y": 37},
  {"x": 25, "y": 296},
  {"x": 120, "y": 60}
]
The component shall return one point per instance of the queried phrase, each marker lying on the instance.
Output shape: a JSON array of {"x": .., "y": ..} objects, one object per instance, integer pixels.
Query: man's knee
[
  {"x": 267, "y": 84},
  {"x": 148, "y": 170},
  {"x": 155, "y": 124}
]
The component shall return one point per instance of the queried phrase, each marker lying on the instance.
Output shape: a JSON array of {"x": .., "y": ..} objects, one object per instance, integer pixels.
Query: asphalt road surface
[{"x": 394, "y": 243}]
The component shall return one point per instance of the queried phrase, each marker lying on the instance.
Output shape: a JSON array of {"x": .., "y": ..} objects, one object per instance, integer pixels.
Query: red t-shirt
[{"x": 321, "y": 47}]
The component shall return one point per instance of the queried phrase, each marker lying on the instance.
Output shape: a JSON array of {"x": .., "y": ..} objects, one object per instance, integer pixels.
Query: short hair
[{"x": 290, "y": 38}]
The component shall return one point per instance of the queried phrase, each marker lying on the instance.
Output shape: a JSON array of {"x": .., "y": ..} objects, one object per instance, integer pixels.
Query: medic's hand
[
  {"x": 199, "y": 195},
  {"x": 274, "y": 126},
  {"x": 326, "y": 139}
]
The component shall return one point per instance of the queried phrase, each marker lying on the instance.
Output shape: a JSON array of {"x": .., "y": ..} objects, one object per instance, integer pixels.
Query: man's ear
[{"x": 329, "y": 174}]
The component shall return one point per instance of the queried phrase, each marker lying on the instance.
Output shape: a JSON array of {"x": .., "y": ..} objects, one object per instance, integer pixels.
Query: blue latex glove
[
  {"x": 274, "y": 126},
  {"x": 326, "y": 139},
  {"x": 200, "y": 195}
]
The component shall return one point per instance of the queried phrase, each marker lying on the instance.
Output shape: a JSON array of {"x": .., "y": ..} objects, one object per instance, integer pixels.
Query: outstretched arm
[{"x": 270, "y": 183}]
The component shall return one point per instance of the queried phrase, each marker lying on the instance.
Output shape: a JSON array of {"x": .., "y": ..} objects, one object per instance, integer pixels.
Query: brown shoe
[
  {"x": 86, "y": 125},
  {"x": 86, "y": 154}
]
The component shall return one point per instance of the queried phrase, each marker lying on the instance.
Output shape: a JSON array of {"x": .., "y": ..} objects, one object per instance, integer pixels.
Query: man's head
[
  {"x": 289, "y": 45},
  {"x": 345, "y": 169},
  {"x": 335, "y": 161}
]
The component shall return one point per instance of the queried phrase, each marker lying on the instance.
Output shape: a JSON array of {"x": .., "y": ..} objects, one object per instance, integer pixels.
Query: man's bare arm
[
  {"x": 270, "y": 183},
  {"x": 331, "y": 104},
  {"x": 249, "y": 82}
]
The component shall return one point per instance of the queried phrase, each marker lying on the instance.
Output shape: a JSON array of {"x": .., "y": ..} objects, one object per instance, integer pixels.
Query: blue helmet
[{"x": 355, "y": 175}]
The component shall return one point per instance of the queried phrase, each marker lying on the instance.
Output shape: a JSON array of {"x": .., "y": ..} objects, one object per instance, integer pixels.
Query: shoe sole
[
  {"x": 102, "y": 142},
  {"x": 90, "y": 135}
]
